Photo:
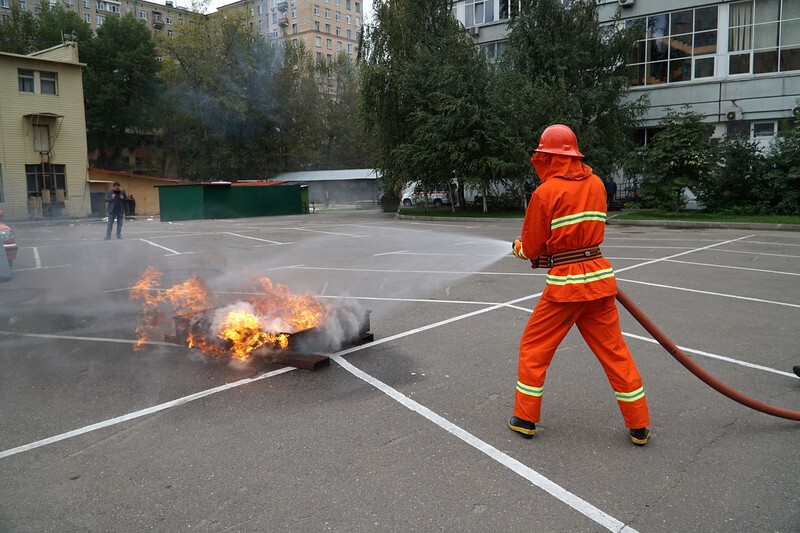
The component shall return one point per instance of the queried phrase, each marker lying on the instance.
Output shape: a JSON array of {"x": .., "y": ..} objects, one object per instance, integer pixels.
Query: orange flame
[{"x": 267, "y": 317}]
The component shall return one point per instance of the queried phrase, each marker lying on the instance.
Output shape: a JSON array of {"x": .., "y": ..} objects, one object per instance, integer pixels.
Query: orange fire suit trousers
[{"x": 598, "y": 323}]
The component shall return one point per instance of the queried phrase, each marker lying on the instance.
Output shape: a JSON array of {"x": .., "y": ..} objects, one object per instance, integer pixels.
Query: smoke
[{"x": 347, "y": 319}]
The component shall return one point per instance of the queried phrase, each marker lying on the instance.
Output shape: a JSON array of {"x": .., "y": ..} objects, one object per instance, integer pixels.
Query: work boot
[
  {"x": 640, "y": 436},
  {"x": 523, "y": 427}
]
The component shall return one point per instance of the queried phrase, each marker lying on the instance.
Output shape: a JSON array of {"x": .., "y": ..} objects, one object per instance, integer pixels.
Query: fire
[{"x": 266, "y": 317}]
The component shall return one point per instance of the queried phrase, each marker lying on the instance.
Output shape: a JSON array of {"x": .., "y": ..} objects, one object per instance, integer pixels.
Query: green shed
[{"x": 231, "y": 200}]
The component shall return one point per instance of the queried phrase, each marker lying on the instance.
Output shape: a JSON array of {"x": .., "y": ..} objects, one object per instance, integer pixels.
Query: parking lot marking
[
  {"x": 552, "y": 488},
  {"x": 390, "y": 253},
  {"x": 159, "y": 246},
  {"x": 710, "y": 293},
  {"x": 40, "y": 268},
  {"x": 719, "y": 357},
  {"x": 327, "y": 232},
  {"x": 92, "y": 339},
  {"x": 253, "y": 238},
  {"x": 36, "y": 259},
  {"x": 141, "y": 413},
  {"x": 401, "y": 271},
  {"x": 759, "y": 253},
  {"x": 761, "y": 270}
]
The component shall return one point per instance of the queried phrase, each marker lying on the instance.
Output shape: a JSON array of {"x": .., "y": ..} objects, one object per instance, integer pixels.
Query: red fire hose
[{"x": 695, "y": 369}]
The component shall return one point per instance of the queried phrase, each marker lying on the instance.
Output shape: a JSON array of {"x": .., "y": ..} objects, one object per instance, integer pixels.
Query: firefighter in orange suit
[{"x": 562, "y": 231}]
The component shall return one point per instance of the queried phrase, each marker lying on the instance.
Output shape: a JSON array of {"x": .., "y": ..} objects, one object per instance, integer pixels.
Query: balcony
[
  {"x": 158, "y": 24},
  {"x": 283, "y": 22},
  {"x": 283, "y": 7}
]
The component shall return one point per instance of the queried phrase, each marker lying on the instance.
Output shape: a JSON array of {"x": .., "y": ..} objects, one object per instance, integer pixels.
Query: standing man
[
  {"x": 563, "y": 227},
  {"x": 115, "y": 207},
  {"x": 611, "y": 193}
]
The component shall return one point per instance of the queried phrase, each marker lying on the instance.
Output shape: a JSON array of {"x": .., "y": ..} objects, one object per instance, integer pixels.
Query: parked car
[
  {"x": 414, "y": 194},
  {"x": 8, "y": 240}
]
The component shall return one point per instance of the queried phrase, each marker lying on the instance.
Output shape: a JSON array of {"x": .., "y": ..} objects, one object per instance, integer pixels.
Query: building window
[
  {"x": 338, "y": 31},
  {"x": 169, "y": 20},
  {"x": 349, "y": 48},
  {"x": 25, "y": 80},
  {"x": 339, "y": 46},
  {"x": 763, "y": 130},
  {"x": 3, "y": 3},
  {"x": 294, "y": 13},
  {"x": 100, "y": 20},
  {"x": 22, "y": 6},
  {"x": 347, "y": 19},
  {"x": 87, "y": 18},
  {"x": 329, "y": 44},
  {"x": 477, "y": 12},
  {"x": 319, "y": 41},
  {"x": 143, "y": 14},
  {"x": 48, "y": 82},
  {"x": 86, "y": 4},
  {"x": 316, "y": 9},
  {"x": 316, "y": 25},
  {"x": 44, "y": 176},
  {"x": 678, "y": 46},
  {"x": 347, "y": 4},
  {"x": 327, "y": 28},
  {"x": 327, "y": 13},
  {"x": 764, "y": 37},
  {"x": 294, "y": 28},
  {"x": 349, "y": 34},
  {"x": 338, "y": 17},
  {"x": 358, "y": 7}
]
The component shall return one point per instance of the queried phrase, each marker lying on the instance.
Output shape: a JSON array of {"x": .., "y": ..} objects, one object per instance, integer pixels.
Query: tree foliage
[
  {"x": 562, "y": 66},
  {"x": 24, "y": 33},
  {"x": 120, "y": 85},
  {"x": 678, "y": 158}
]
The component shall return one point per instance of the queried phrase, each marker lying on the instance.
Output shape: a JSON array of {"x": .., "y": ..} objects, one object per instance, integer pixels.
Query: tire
[
  {"x": 406, "y": 202},
  {"x": 437, "y": 203}
]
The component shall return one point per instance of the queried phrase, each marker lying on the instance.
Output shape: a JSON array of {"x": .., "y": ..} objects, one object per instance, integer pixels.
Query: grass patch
[
  {"x": 446, "y": 211},
  {"x": 694, "y": 216}
]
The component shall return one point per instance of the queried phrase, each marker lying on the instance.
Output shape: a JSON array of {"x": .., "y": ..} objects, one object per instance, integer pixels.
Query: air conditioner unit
[
  {"x": 474, "y": 31},
  {"x": 796, "y": 112},
  {"x": 626, "y": 3},
  {"x": 733, "y": 115}
]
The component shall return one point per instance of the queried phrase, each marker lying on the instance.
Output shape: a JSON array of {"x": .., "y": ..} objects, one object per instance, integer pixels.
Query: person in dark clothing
[
  {"x": 131, "y": 205},
  {"x": 115, "y": 207},
  {"x": 611, "y": 193}
]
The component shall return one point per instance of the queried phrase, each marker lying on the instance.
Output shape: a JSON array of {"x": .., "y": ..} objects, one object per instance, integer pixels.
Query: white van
[{"x": 414, "y": 194}]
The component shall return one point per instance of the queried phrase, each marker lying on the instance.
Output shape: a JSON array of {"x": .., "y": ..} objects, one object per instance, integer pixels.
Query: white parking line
[
  {"x": 36, "y": 259},
  {"x": 141, "y": 413},
  {"x": 159, "y": 246},
  {"x": 760, "y": 270},
  {"x": 253, "y": 238},
  {"x": 710, "y": 293},
  {"x": 327, "y": 232}
]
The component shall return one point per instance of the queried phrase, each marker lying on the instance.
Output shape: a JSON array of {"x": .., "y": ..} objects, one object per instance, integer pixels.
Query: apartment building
[
  {"x": 326, "y": 27},
  {"x": 159, "y": 17},
  {"x": 43, "y": 162},
  {"x": 735, "y": 62}
]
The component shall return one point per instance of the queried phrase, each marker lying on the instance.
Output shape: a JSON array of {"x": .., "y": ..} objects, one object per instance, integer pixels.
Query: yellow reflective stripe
[
  {"x": 530, "y": 391},
  {"x": 577, "y": 279},
  {"x": 630, "y": 396},
  {"x": 576, "y": 218}
]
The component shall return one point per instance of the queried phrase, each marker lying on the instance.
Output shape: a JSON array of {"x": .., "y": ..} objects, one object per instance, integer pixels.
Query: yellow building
[
  {"x": 144, "y": 189},
  {"x": 43, "y": 161},
  {"x": 326, "y": 27}
]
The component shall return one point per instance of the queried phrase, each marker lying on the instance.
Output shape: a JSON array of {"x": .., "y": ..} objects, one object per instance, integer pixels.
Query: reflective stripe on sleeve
[
  {"x": 630, "y": 396},
  {"x": 530, "y": 391},
  {"x": 584, "y": 216},
  {"x": 577, "y": 279}
]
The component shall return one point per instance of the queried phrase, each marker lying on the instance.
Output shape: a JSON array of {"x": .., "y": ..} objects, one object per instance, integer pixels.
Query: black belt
[{"x": 567, "y": 258}]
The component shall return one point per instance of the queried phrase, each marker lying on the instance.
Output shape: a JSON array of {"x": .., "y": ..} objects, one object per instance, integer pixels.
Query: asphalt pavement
[{"x": 407, "y": 432}]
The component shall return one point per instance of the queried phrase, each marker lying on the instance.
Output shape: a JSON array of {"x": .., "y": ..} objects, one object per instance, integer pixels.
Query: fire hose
[{"x": 696, "y": 369}]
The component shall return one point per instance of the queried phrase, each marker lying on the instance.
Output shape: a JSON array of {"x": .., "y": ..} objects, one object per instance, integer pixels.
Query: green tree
[
  {"x": 729, "y": 185},
  {"x": 778, "y": 191},
  {"x": 18, "y": 33},
  {"x": 57, "y": 24},
  {"x": 220, "y": 79},
  {"x": 678, "y": 158},
  {"x": 562, "y": 66},
  {"x": 425, "y": 98},
  {"x": 120, "y": 85}
]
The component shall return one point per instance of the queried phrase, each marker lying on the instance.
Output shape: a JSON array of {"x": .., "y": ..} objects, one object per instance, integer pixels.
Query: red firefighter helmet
[{"x": 559, "y": 139}]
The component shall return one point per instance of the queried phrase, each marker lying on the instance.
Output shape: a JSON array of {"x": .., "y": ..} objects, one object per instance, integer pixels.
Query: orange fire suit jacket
[{"x": 568, "y": 212}]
